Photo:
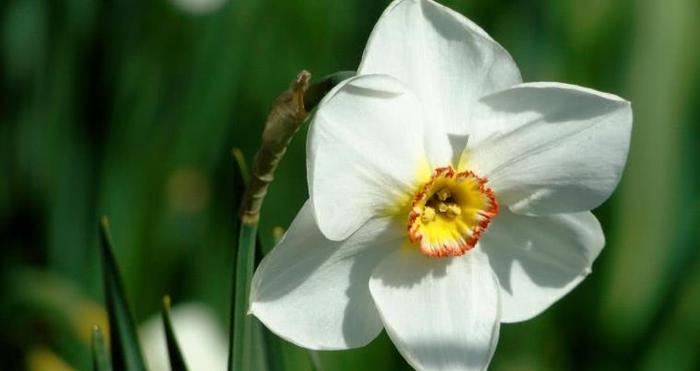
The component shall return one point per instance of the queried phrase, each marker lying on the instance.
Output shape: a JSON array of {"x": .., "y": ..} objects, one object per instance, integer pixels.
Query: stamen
[
  {"x": 428, "y": 214},
  {"x": 455, "y": 210},
  {"x": 443, "y": 194}
]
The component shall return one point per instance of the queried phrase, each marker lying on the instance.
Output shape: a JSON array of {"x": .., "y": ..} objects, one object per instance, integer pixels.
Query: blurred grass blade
[
  {"x": 315, "y": 360},
  {"x": 126, "y": 351},
  {"x": 241, "y": 175},
  {"x": 273, "y": 349},
  {"x": 177, "y": 361},
  {"x": 241, "y": 165},
  {"x": 240, "y": 354},
  {"x": 100, "y": 360}
]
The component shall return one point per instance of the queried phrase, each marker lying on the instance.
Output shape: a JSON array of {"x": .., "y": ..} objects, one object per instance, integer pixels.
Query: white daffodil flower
[{"x": 447, "y": 197}]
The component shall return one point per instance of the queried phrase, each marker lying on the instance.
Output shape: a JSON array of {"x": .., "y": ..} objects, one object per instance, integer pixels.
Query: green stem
[
  {"x": 285, "y": 117},
  {"x": 240, "y": 353}
]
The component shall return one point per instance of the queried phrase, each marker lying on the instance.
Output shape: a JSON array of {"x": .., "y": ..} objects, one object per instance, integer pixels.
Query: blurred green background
[{"x": 130, "y": 109}]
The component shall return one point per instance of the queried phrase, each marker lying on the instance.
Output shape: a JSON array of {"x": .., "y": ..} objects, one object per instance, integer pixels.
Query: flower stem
[
  {"x": 288, "y": 112},
  {"x": 240, "y": 354},
  {"x": 284, "y": 120}
]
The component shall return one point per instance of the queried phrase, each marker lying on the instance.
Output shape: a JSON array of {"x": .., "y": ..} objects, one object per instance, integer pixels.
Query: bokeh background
[{"x": 130, "y": 108}]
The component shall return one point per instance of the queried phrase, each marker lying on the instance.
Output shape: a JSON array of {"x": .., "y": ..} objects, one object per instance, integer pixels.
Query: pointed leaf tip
[
  {"x": 100, "y": 359},
  {"x": 126, "y": 350},
  {"x": 177, "y": 360},
  {"x": 104, "y": 222},
  {"x": 241, "y": 165}
]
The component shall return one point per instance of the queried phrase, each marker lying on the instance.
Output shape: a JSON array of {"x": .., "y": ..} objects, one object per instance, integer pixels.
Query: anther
[
  {"x": 455, "y": 210},
  {"x": 443, "y": 207},
  {"x": 443, "y": 194},
  {"x": 428, "y": 214}
]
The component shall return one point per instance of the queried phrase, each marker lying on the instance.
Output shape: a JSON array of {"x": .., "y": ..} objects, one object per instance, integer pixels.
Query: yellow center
[{"x": 450, "y": 211}]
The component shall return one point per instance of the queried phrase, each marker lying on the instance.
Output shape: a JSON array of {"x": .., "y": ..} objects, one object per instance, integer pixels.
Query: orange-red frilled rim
[{"x": 450, "y": 212}]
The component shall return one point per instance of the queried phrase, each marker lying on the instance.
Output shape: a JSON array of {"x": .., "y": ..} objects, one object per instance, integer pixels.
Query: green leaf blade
[
  {"x": 126, "y": 350},
  {"x": 177, "y": 360},
  {"x": 240, "y": 353},
  {"x": 100, "y": 360}
]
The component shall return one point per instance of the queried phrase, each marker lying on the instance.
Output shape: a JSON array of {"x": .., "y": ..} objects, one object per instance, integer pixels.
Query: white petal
[
  {"x": 538, "y": 260},
  {"x": 313, "y": 292},
  {"x": 553, "y": 148},
  {"x": 364, "y": 151},
  {"x": 446, "y": 59},
  {"x": 442, "y": 314}
]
